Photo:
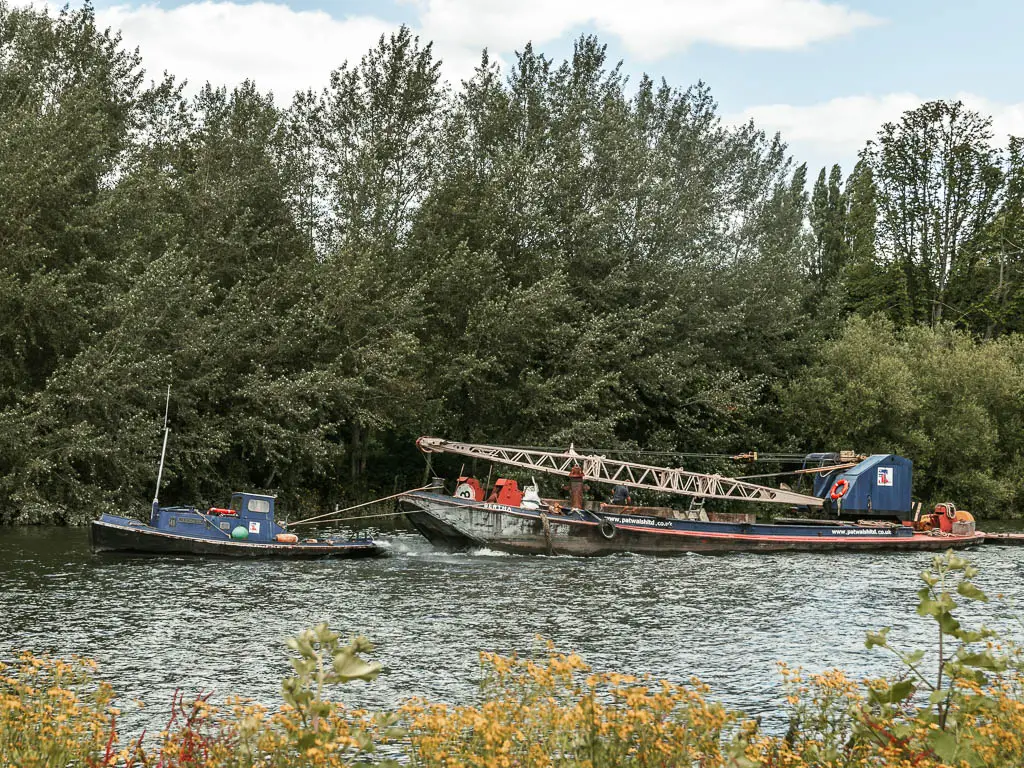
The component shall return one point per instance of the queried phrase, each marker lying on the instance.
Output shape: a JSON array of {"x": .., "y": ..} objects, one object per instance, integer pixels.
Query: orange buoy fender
[
  {"x": 287, "y": 538},
  {"x": 840, "y": 488}
]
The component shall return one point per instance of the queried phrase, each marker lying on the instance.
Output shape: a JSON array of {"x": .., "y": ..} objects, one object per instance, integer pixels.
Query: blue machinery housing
[{"x": 878, "y": 486}]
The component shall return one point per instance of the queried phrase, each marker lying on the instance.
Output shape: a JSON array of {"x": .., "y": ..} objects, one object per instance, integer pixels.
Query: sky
[{"x": 824, "y": 74}]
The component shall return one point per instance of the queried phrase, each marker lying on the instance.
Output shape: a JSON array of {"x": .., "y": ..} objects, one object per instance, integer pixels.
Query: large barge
[{"x": 874, "y": 492}]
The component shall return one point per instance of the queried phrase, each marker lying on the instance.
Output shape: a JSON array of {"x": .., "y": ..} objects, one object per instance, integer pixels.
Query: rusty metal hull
[{"x": 465, "y": 524}]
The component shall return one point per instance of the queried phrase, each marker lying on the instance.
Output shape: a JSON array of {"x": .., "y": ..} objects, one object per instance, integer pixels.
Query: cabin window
[
  {"x": 236, "y": 504},
  {"x": 172, "y": 522},
  {"x": 259, "y": 505}
]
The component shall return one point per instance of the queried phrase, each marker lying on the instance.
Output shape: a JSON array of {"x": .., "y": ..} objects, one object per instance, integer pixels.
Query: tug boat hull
[{"x": 119, "y": 534}]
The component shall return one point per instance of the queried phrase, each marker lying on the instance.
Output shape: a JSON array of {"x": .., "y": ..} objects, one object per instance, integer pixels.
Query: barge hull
[{"x": 457, "y": 524}]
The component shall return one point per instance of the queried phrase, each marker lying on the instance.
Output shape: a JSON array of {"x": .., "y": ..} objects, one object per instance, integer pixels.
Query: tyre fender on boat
[{"x": 607, "y": 529}]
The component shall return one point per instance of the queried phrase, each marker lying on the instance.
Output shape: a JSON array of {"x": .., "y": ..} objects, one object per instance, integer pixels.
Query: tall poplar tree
[
  {"x": 990, "y": 285},
  {"x": 938, "y": 183},
  {"x": 828, "y": 218}
]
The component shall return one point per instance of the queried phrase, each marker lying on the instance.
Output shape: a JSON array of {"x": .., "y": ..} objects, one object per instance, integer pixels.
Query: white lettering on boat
[
  {"x": 498, "y": 507},
  {"x": 652, "y": 522}
]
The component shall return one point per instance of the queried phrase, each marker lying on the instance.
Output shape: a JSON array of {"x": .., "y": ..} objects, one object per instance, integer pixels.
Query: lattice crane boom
[{"x": 600, "y": 469}]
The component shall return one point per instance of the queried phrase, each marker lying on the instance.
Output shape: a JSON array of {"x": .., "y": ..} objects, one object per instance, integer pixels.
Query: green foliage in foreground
[
  {"x": 545, "y": 254},
  {"x": 960, "y": 704}
]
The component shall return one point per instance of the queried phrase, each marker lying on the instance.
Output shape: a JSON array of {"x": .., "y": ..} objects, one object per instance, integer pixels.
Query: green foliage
[
  {"x": 322, "y": 661},
  {"x": 960, "y": 688},
  {"x": 939, "y": 181},
  {"x": 988, "y": 288},
  {"x": 547, "y": 254},
  {"x": 53, "y": 713},
  {"x": 952, "y": 404},
  {"x": 584, "y": 251},
  {"x": 68, "y": 102},
  {"x": 828, "y": 216}
]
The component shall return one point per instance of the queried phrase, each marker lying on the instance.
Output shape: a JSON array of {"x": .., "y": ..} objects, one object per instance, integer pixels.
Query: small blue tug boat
[{"x": 244, "y": 529}]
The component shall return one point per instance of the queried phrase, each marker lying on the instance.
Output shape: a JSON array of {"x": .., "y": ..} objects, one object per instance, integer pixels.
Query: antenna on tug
[{"x": 163, "y": 451}]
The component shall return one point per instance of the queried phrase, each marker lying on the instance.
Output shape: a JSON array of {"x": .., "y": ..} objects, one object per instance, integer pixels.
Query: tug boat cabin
[{"x": 250, "y": 517}]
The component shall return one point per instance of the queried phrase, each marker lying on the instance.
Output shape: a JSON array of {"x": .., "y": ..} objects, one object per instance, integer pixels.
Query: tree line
[{"x": 541, "y": 255}]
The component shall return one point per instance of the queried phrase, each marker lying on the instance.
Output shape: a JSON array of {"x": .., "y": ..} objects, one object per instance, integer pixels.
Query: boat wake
[{"x": 486, "y": 552}]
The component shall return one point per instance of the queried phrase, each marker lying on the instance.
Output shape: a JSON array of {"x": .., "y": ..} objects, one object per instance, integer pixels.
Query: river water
[{"x": 160, "y": 624}]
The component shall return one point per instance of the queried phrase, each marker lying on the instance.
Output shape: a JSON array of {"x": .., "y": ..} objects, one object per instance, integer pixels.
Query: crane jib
[{"x": 615, "y": 472}]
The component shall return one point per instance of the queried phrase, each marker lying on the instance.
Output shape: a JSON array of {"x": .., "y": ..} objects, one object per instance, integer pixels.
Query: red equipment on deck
[
  {"x": 468, "y": 488},
  {"x": 506, "y": 491}
]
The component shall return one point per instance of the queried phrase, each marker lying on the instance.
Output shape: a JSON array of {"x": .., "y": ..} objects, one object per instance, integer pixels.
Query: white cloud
[
  {"x": 841, "y": 124},
  {"x": 1007, "y": 119},
  {"x": 222, "y": 42},
  {"x": 649, "y": 29},
  {"x": 284, "y": 50},
  {"x": 281, "y": 49},
  {"x": 835, "y": 130}
]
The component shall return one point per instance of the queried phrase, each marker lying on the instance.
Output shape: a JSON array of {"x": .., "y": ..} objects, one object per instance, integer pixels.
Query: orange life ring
[{"x": 840, "y": 488}]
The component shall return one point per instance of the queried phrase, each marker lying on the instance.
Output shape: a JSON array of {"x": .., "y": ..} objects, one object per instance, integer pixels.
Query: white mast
[{"x": 163, "y": 451}]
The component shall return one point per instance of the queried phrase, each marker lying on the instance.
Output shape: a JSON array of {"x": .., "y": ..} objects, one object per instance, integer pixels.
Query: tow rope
[{"x": 320, "y": 518}]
